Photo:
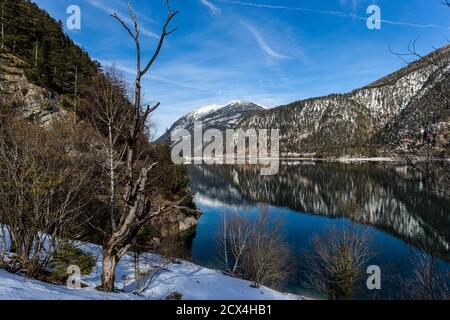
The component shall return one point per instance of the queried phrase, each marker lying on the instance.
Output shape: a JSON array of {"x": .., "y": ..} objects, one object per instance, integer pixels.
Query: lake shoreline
[
  {"x": 361, "y": 159},
  {"x": 191, "y": 161}
]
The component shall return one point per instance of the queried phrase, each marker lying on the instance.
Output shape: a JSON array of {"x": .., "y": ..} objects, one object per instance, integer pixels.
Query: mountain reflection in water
[{"x": 392, "y": 199}]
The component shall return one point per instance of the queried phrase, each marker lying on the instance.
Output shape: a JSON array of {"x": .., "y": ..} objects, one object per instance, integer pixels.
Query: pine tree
[{"x": 31, "y": 34}]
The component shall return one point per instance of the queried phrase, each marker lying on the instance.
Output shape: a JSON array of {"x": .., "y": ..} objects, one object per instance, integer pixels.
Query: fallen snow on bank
[
  {"x": 192, "y": 281},
  {"x": 16, "y": 287}
]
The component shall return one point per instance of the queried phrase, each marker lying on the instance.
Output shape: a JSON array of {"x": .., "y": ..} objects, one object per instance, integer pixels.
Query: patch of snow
[
  {"x": 16, "y": 287},
  {"x": 192, "y": 281},
  {"x": 205, "y": 110},
  {"x": 215, "y": 107}
]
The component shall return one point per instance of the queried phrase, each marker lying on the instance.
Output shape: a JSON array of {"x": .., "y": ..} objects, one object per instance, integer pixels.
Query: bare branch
[
  {"x": 116, "y": 16},
  {"x": 164, "y": 34}
]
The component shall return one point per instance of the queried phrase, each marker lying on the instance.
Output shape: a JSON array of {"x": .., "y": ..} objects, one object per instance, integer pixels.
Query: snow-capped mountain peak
[
  {"x": 243, "y": 102},
  {"x": 216, "y": 116},
  {"x": 199, "y": 113},
  {"x": 204, "y": 110}
]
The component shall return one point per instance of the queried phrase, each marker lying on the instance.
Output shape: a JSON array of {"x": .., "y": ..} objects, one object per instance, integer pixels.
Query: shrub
[
  {"x": 66, "y": 255},
  {"x": 41, "y": 190},
  {"x": 254, "y": 250},
  {"x": 337, "y": 261},
  {"x": 429, "y": 279},
  {"x": 174, "y": 296}
]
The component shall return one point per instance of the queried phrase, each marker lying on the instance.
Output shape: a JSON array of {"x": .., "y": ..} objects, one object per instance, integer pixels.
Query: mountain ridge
[
  {"x": 362, "y": 122},
  {"x": 351, "y": 123},
  {"x": 214, "y": 116}
]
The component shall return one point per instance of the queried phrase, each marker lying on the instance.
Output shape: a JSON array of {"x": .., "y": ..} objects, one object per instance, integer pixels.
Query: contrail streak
[{"x": 340, "y": 14}]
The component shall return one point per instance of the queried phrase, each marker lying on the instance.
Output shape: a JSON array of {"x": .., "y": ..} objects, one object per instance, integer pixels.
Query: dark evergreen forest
[{"x": 52, "y": 59}]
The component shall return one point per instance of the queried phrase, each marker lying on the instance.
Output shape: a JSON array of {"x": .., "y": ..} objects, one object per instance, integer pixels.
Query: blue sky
[{"x": 270, "y": 52}]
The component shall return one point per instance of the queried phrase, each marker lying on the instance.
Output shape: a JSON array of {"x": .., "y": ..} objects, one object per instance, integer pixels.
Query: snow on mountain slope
[
  {"x": 202, "y": 111},
  {"x": 219, "y": 117},
  {"x": 348, "y": 124}
]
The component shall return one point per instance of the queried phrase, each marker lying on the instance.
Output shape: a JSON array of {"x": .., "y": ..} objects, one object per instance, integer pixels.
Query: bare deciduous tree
[
  {"x": 138, "y": 208},
  {"x": 337, "y": 261},
  {"x": 426, "y": 139},
  {"x": 40, "y": 186},
  {"x": 233, "y": 241},
  {"x": 429, "y": 280},
  {"x": 254, "y": 250},
  {"x": 110, "y": 118}
]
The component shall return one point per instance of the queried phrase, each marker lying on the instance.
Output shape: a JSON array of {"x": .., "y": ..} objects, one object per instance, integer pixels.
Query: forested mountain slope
[{"x": 402, "y": 109}]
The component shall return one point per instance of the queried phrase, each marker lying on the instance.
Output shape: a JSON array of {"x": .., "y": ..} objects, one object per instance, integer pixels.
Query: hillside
[
  {"x": 395, "y": 110},
  {"x": 40, "y": 68},
  {"x": 51, "y": 59}
]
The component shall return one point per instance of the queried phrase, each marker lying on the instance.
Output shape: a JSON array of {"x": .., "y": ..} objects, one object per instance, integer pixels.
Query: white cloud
[
  {"x": 263, "y": 44},
  {"x": 353, "y": 2},
  {"x": 210, "y": 6},
  {"x": 132, "y": 71},
  {"x": 101, "y": 6}
]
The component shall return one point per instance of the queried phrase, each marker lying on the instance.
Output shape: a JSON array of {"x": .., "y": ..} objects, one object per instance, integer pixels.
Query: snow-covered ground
[
  {"x": 16, "y": 287},
  {"x": 192, "y": 281}
]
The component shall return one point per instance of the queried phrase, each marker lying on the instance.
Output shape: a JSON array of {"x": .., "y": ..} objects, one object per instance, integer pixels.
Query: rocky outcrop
[
  {"x": 30, "y": 101},
  {"x": 174, "y": 223}
]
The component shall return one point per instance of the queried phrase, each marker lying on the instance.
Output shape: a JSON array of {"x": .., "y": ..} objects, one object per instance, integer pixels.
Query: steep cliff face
[
  {"x": 343, "y": 124},
  {"x": 32, "y": 102}
]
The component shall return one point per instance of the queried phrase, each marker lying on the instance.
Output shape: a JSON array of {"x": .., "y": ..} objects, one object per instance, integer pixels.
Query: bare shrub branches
[
  {"x": 254, "y": 250},
  {"x": 40, "y": 186},
  {"x": 336, "y": 262},
  {"x": 234, "y": 240},
  {"x": 429, "y": 280},
  {"x": 426, "y": 137}
]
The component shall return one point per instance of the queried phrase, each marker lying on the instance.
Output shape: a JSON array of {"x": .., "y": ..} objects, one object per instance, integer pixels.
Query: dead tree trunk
[
  {"x": 137, "y": 208},
  {"x": 75, "y": 103},
  {"x": 2, "y": 28},
  {"x": 109, "y": 264}
]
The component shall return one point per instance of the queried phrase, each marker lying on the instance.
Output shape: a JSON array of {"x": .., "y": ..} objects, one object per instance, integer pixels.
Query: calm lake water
[{"x": 389, "y": 199}]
